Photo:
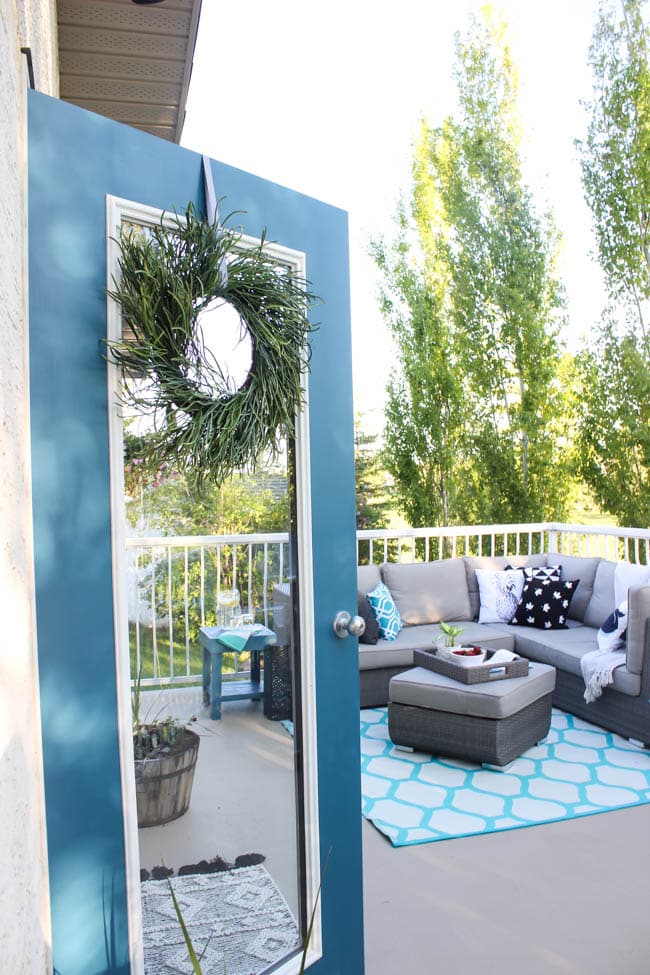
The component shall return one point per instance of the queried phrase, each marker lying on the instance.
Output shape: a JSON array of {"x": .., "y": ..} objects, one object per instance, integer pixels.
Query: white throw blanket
[{"x": 598, "y": 668}]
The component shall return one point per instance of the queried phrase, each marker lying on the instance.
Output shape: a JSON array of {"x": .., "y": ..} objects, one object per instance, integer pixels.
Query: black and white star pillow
[{"x": 545, "y": 603}]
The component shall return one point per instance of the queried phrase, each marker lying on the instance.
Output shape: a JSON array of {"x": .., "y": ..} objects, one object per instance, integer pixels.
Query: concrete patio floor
[
  {"x": 243, "y": 796},
  {"x": 569, "y": 898}
]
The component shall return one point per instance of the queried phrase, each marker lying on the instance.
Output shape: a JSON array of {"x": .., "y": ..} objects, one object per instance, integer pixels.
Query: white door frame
[{"x": 117, "y": 212}]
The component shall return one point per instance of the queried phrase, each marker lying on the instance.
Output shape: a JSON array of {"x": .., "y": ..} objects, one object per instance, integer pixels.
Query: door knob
[{"x": 346, "y": 625}]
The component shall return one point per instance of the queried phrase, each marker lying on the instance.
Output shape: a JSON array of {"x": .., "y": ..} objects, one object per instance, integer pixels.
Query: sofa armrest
[{"x": 638, "y": 614}]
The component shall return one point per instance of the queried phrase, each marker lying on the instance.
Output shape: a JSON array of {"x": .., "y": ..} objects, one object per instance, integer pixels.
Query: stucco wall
[{"x": 24, "y": 910}]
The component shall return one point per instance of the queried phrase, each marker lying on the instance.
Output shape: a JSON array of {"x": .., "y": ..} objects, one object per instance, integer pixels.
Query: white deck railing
[
  {"x": 428, "y": 544},
  {"x": 174, "y": 582}
]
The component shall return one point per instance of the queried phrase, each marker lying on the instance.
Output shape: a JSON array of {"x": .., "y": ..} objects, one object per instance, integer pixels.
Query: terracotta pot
[{"x": 163, "y": 785}]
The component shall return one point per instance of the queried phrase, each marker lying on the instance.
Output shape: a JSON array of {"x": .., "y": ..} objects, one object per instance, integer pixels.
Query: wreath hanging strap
[{"x": 167, "y": 277}]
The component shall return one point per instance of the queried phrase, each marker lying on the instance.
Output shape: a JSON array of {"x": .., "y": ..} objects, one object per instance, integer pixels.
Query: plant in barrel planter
[{"x": 165, "y": 754}]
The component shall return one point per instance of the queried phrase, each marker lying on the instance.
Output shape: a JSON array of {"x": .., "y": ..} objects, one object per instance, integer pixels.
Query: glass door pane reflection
[{"x": 234, "y": 858}]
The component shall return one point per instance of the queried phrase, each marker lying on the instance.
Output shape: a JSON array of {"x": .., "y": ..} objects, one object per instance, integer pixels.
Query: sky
[{"x": 325, "y": 98}]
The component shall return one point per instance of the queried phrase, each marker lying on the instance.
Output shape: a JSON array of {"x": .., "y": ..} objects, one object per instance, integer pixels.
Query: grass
[{"x": 163, "y": 669}]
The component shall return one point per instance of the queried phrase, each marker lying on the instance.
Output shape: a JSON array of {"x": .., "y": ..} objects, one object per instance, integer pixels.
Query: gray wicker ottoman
[{"x": 490, "y": 723}]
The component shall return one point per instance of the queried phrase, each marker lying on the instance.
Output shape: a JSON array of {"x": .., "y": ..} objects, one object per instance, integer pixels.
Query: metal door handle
[{"x": 346, "y": 625}]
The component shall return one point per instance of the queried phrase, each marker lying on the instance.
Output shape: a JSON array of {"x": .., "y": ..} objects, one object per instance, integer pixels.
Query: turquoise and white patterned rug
[{"x": 578, "y": 770}]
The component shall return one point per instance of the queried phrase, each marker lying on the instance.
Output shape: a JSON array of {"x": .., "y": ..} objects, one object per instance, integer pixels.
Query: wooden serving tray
[{"x": 477, "y": 674}]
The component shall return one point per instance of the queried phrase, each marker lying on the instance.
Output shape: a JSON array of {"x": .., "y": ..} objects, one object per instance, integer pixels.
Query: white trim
[
  {"x": 117, "y": 211},
  {"x": 308, "y": 662},
  {"x": 115, "y": 214}
]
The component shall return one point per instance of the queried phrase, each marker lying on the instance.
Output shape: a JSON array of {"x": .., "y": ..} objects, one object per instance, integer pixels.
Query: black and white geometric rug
[{"x": 239, "y": 914}]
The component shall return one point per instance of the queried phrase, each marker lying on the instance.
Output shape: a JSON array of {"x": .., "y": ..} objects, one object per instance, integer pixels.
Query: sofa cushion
[
  {"x": 474, "y": 562},
  {"x": 602, "y": 600},
  {"x": 638, "y": 614},
  {"x": 584, "y": 569},
  {"x": 561, "y": 648},
  {"x": 364, "y": 609},
  {"x": 629, "y": 574},
  {"x": 399, "y": 652},
  {"x": 428, "y": 592},
  {"x": 422, "y": 688},
  {"x": 545, "y": 603},
  {"x": 564, "y": 648},
  {"x": 368, "y": 576},
  {"x": 626, "y": 683}
]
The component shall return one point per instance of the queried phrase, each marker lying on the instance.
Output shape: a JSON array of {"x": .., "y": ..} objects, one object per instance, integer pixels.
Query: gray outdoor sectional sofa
[{"x": 426, "y": 593}]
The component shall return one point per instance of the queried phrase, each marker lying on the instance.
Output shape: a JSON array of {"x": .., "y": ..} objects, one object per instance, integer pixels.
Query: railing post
[{"x": 552, "y": 541}]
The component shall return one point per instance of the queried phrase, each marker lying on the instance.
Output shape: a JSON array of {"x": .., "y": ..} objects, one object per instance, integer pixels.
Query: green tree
[
  {"x": 474, "y": 306},
  {"x": 615, "y": 157},
  {"x": 163, "y": 500},
  {"x": 615, "y": 426},
  {"x": 371, "y": 487}
]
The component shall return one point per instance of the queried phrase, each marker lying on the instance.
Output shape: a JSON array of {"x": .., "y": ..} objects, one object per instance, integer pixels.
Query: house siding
[{"x": 24, "y": 906}]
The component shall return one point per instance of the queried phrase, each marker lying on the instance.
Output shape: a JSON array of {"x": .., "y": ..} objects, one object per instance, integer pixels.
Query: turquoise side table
[{"x": 217, "y": 640}]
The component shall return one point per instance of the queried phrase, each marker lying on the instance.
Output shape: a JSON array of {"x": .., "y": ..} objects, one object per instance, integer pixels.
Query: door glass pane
[{"x": 219, "y": 809}]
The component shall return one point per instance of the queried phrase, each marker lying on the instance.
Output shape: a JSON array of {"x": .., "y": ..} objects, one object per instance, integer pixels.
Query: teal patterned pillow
[{"x": 385, "y": 610}]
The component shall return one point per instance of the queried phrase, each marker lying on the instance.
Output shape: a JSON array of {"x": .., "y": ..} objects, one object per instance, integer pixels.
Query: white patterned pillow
[
  {"x": 500, "y": 593},
  {"x": 385, "y": 610}
]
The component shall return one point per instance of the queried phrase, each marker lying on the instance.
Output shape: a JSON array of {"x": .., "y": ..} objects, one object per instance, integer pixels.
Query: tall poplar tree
[
  {"x": 615, "y": 157},
  {"x": 470, "y": 294}
]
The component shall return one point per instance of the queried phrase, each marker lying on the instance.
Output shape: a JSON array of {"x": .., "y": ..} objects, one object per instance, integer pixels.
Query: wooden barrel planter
[{"x": 163, "y": 784}]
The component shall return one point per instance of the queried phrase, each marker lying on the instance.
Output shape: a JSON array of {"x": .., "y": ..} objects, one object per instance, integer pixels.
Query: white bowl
[{"x": 459, "y": 658}]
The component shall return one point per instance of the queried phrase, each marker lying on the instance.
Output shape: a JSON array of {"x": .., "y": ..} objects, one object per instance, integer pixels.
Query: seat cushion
[
  {"x": 560, "y": 648},
  {"x": 428, "y": 592},
  {"x": 399, "y": 652},
  {"x": 564, "y": 648},
  {"x": 492, "y": 699}
]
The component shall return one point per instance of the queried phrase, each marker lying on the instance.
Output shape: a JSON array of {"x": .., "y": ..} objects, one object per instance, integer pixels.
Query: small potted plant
[
  {"x": 165, "y": 754},
  {"x": 449, "y": 633}
]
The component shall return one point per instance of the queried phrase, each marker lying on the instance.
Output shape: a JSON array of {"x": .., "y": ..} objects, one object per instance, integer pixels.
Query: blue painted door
[{"x": 76, "y": 159}]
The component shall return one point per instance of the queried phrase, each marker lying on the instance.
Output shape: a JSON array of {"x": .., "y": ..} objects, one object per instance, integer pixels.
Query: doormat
[
  {"x": 238, "y": 921},
  {"x": 578, "y": 770}
]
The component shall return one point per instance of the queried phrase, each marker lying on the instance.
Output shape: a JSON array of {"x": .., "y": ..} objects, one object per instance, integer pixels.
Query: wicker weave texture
[
  {"x": 374, "y": 685},
  {"x": 473, "y": 739},
  {"x": 277, "y": 683},
  {"x": 476, "y": 674}
]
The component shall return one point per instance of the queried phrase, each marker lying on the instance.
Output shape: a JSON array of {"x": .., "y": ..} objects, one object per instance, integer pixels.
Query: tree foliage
[
  {"x": 615, "y": 157},
  {"x": 474, "y": 306},
  {"x": 160, "y": 500},
  {"x": 370, "y": 480},
  {"x": 616, "y": 154},
  {"x": 615, "y": 433}
]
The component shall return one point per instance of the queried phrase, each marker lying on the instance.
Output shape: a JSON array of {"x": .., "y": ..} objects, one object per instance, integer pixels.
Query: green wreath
[{"x": 167, "y": 277}]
